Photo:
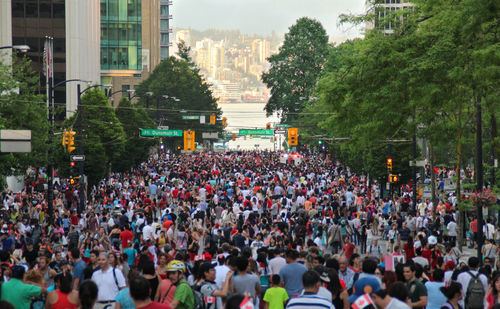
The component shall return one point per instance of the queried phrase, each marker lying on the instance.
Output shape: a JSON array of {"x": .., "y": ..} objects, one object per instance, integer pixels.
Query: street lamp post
[
  {"x": 479, "y": 187},
  {"x": 22, "y": 48}
]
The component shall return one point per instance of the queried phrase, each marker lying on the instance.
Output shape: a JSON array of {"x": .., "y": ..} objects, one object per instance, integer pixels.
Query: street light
[{"x": 21, "y": 48}]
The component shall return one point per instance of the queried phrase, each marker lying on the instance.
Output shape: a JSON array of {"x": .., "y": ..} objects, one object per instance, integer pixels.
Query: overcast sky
[{"x": 264, "y": 16}]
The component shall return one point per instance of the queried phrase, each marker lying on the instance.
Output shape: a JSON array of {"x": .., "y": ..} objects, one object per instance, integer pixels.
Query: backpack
[
  {"x": 475, "y": 292},
  {"x": 199, "y": 303}
]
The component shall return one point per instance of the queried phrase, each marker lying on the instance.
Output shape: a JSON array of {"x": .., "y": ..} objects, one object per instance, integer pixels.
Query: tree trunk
[{"x": 461, "y": 217}]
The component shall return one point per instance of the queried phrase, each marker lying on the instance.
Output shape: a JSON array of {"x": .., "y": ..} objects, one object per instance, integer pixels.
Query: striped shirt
[{"x": 309, "y": 301}]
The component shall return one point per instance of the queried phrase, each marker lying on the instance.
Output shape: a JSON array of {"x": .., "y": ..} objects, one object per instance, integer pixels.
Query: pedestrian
[
  {"x": 291, "y": 274},
  {"x": 417, "y": 291},
  {"x": 309, "y": 300},
  {"x": 109, "y": 281}
]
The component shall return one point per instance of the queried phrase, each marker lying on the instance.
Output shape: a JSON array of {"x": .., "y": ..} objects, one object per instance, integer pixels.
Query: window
[
  {"x": 58, "y": 9},
  {"x": 164, "y": 39},
  {"x": 164, "y": 24},
  {"x": 31, "y": 9},
  {"x": 17, "y": 8},
  {"x": 164, "y": 10},
  {"x": 45, "y": 10}
]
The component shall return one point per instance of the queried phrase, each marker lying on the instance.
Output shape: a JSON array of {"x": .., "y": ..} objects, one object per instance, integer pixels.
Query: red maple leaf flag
[{"x": 362, "y": 301}]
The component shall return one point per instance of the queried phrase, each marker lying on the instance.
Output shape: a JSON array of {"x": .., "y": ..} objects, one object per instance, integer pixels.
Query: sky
[{"x": 264, "y": 16}]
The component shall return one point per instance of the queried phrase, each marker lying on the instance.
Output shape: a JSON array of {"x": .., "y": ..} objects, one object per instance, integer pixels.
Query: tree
[
  {"x": 296, "y": 68},
  {"x": 178, "y": 89},
  {"x": 22, "y": 109},
  {"x": 136, "y": 150},
  {"x": 103, "y": 138}
]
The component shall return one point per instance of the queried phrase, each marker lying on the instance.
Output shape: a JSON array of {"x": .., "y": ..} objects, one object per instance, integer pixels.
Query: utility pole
[
  {"x": 414, "y": 170},
  {"x": 81, "y": 205},
  {"x": 479, "y": 187},
  {"x": 49, "y": 77}
]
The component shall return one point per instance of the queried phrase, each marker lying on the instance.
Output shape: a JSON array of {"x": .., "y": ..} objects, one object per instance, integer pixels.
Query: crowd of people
[{"x": 239, "y": 230}]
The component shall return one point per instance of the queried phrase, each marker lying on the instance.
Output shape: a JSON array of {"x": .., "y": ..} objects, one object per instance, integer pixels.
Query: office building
[
  {"x": 130, "y": 43},
  {"x": 165, "y": 29},
  {"x": 73, "y": 24},
  {"x": 383, "y": 10}
]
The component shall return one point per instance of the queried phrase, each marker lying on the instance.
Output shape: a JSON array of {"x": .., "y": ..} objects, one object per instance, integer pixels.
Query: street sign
[
  {"x": 256, "y": 132},
  {"x": 282, "y": 125},
  {"x": 15, "y": 140},
  {"x": 190, "y": 117},
  {"x": 163, "y": 133},
  {"x": 77, "y": 158},
  {"x": 162, "y": 128},
  {"x": 209, "y": 135},
  {"x": 418, "y": 163}
]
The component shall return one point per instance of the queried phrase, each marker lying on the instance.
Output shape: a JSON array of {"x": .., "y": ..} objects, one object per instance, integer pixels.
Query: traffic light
[
  {"x": 72, "y": 164},
  {"x": 233, "y": 137},
  {"x": 161, "y": 143},
  {"x": 189, "y": 140},
  {"x": 389, "y": 164},
  {"x": 224, "y": 121},
  {"x": 320, "y": 142},
  {"x": 179, "y": 147},
  {"x": 71, "y": 141},
  {"x": 393, "y": 178},
  {"x": 65, "y": 138},
  {"x": 268, "y": 126},
  {"x": 293, "y": 136},
  {"x": 74, "y": 180},
  {"x": 213, "y": 118}
]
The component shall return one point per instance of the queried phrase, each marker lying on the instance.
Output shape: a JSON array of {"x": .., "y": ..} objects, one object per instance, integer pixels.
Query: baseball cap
[
  {"x": 205, "y": 267},
  {"x": 432, "y": 240},
  {"x": 366, "y": 285}
]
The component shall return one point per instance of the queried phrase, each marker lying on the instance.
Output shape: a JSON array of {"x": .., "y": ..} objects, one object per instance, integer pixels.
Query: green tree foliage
[
  {"x": 179, "y": 79},
  {"x": 296, "y": 68},
  {"x": 132, "y": 119},
  {"x": 104, "y": 138},
  {"x": 25, "y": 110}
]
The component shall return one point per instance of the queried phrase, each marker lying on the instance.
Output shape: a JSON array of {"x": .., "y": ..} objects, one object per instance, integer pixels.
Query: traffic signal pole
[
  {"x": 81, "y": 204},
  {"x": 50, "y": 167}
]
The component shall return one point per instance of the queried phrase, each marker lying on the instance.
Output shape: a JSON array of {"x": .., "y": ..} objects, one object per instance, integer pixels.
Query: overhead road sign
[
  {"x": 210, "y": 135},
  {"x": 162, "y": 133},
  {"x": 190, "y": 117},
  {"x": 256, "y": 132},
  {"x": 282, "y": 125}
]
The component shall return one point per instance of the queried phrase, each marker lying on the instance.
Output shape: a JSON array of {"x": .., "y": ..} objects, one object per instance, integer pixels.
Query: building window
[
  {"x": 164, "y": 24},
  {"x": 45, "y": 10},
  {"x": 31, "y": 9},
  {"x": 58, "y": 10},
  {"x": 17, "y": 9},
  {"x": 164, "y": 10}
]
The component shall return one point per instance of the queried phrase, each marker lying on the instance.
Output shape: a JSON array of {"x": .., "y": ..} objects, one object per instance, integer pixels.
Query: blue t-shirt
[
  {"x": 130, "y": 255},
  {"x": 291, "y": 275},
  {"x": 435, "y": 298},
  {"x": 124, "y": 299},
  {"x": 78, "y": 271}
]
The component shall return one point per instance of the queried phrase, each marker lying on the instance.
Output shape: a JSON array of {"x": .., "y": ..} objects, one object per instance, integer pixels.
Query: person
[
  {"x": 276, "y": 263},
  {"x": 246, "y": 282},
  {"x": 435, "y": 297},
  {"x": 18, "y": 293},
  {"x": 148, "y": 271},
  {"x": 349, "y": 248},
  {"x": 384, "y": 301},
  {"x": 374, "y": 250},
  {"x": 477, "y": 290},
  {"x": 183, "y": 297},
  {"x": 211, "y": 294},
  {"x": 109, "y": 282},
  {"x": 87, "y": 294},
  {"x": 64, "y": 297},
  {"x": 123, "y": 298},
  {"x": 309, "y": 299},
  {"x": 363, "y": 286},
  {"x": 140, "y": 293},
  {"x": 345, "y": 273},
  {"x": 291, "y": 274},
  {"x": 276, "y": 296},
  {"x": 78, "y": 268},
  {"x": 454, "y": 294},
  {"x": 417, "y": 291}
]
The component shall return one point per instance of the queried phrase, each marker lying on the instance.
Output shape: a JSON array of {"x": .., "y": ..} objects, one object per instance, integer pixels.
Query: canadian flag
[
  {"x": 362, "y": 301},
  {"x": 246, "y": 304}
]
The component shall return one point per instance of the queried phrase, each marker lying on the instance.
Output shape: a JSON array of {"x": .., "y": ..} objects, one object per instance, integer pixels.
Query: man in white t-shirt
[
  {"x": 109, "y": 282},
  {"x": 276, "y": 263}
]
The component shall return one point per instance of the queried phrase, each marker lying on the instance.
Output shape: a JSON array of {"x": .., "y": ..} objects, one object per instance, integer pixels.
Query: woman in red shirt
[{"x": 64, "y": 297}]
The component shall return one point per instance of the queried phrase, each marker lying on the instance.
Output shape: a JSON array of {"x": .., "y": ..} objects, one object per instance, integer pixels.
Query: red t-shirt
[
  {"x": 349, "y": 250},
  {"x": 474, "y": 226},
  {"x": 126, "y": 236},
  {"x": 167, "y": 224}
]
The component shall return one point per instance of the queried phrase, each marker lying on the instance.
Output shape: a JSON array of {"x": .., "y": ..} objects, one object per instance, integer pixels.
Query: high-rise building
[
  {"x": 384, "y": 9},
  {"x": 73, "y": 24},
  {"x": 165, "y": 29},
  {"x": 130, "y": 43}
]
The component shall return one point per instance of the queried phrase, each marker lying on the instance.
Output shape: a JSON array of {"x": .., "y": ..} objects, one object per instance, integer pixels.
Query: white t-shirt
[
  {"x": 276, "y": 264},
  {"x": 107, "y": 287}
]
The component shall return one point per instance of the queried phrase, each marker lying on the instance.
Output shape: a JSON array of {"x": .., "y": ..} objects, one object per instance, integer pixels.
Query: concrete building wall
[
  {"x": 5, "y": 30},
  {"x": 83, "y": 37}
]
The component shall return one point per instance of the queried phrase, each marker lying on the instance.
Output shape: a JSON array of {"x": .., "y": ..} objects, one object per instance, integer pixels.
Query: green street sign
[
  {"x": 256, "y": 132},
  {"x": 162, "y": 133},
  {"x": 279, "y": 125},
  {"x": 190, "y": 117}
]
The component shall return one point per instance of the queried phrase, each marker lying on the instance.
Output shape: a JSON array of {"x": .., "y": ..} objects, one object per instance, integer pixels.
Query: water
[{"x": 248, "y": 116}]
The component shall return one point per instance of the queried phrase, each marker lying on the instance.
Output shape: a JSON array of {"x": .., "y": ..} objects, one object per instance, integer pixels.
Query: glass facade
[
  {"x": 121, "y": 35},
  {"x": 165, "y": 28}
]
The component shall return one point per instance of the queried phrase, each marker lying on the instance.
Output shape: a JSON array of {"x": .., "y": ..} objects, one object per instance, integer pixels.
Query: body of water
[{"x": 248, "y": 116}]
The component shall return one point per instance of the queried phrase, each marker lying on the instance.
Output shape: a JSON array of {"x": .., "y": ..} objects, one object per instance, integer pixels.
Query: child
[{"x": 275, "y": 296}]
